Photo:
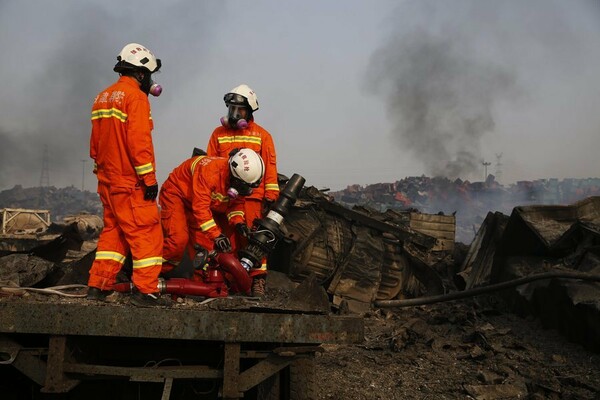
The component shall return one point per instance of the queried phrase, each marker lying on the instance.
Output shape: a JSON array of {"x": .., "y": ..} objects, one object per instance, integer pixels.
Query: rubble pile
[
  {"x": 471, "y": 201},
  {"x": 537, "y": 240}
]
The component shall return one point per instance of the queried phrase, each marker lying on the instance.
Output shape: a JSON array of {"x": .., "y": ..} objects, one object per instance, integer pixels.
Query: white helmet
[
  {"x": 249, "y": 97},
  {"x": 135, "y": 56},
  {"x": 247, "y": 166}
]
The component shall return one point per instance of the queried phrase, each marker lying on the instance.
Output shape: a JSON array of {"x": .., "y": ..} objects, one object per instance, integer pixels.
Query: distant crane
[{"x": 498, "y": 166}]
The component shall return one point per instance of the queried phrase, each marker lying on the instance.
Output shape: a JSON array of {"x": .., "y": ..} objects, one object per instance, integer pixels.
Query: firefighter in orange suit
[
  {"x": 202, "y": 202},
  {"x": 122, "y": 150},
  {"x": 239, "y": 130}
]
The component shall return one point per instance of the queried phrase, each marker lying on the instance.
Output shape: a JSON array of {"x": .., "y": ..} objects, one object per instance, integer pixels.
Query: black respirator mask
[
  {"x": 238, "y": 187},
  {"x": 148, "y": 86},
  {"x": 235, "y": 104}
]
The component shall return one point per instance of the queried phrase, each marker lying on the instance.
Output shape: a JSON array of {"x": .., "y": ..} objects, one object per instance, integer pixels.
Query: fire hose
[
  {"x": 213, "y": 285},
  {"x": 58, "y": 290},
  {"x": 486, "y": 289},
  {"x": 225, "y": 272}
]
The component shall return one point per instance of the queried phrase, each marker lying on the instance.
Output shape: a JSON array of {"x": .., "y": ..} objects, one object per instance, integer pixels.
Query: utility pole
[
  {"x": 485, "y": 165},
  {"x": 45, "y": 176}
]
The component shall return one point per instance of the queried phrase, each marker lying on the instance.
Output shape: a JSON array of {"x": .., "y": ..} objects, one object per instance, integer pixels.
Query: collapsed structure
[
  {"x": 358, "y": 258},
  {"x": 362, "y": 255}
]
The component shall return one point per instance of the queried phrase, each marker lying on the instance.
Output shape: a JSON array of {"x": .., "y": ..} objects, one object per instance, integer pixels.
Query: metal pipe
[{"x": 485, "y": 289}]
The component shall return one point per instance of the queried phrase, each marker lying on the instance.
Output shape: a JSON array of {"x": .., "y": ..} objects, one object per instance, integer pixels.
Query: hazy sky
[{"x": 352, "y": 91}]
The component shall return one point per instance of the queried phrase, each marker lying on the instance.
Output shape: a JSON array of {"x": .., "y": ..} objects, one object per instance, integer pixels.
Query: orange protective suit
[
  {"x": 123, "y": 153},
  {"x": 195, "y": 208},
  {"x": 255, "y": 137}
]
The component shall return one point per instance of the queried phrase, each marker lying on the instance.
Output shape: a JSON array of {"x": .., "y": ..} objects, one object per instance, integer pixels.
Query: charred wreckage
[{"x": 337, "y": 263}]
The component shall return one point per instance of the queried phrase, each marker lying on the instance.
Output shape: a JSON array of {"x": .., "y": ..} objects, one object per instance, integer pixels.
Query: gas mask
[
  {"x": 237, "y": 112},
  {"x": 234, "y": 119},
  {"x": 238, "y": 187},
  {"x": 148, "y": 86}
]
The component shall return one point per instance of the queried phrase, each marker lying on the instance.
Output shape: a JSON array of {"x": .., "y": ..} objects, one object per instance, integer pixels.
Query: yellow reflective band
[
  {"x": 207, "y": 225},
  {"x": 173, "y": 263},
  {"x": 147, "y": 262},
  {"x": 240, "y": 139},
  {"x": 144, "y": 169},
  {"x": 263, "y": 267},
  {"x": 110, "y": 255},
  {"x": 234, "y": 213},
  {"x": 150, "y": 115},
  {"x": 272, "y": 186},
  {"x": 219, "y": 197},
  {"x": 193, "y": 167},
  {"x": 109, "y": 113}
]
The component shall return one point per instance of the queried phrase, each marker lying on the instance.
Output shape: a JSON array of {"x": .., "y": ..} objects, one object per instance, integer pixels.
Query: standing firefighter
[
  {"x": 202, "y": 202},
  {"x": 123, "y": 153},
  {"x": 239, "y": 130}
]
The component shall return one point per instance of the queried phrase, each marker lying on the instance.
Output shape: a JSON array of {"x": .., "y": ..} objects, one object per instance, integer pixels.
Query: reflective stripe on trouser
[
  {"x": 131, "y": 224},
  {"x": 252, "y": 211}
]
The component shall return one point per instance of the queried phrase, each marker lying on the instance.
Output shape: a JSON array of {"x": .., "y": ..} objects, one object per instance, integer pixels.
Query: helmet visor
[
  {"x": 234, "y": 98},
  {"x": 237, "y": 112}
]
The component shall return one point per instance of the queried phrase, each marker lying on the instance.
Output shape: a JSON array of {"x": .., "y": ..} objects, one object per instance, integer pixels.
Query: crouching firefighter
[{"x": 202, "y": 204}]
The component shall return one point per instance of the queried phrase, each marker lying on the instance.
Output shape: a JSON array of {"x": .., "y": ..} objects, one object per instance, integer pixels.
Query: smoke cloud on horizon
[
  {"x": 449, "y": 71},
  {"x": 449, "y": 84},
  {"x": 53, "y": 79}
]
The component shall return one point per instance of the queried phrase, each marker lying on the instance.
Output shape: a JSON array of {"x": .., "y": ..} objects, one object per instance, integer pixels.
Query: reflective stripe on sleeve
[
  {"x": 207, "y": 225},
  {"x": 272, "y": 186},
  {"x": 219, "y": 197},
  {"x": 234, "y": 214},
  {"x": 144, "y": 169}
]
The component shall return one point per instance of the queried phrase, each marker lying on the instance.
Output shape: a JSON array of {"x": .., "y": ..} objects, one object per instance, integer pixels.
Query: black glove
[
  {"x": 151, "y": 192},
  {"x": 266, "y": 206},
  {"x": 222, "y": 244},
  {"x": 242, "y": 229},
  {"x": 200, "y": 257}
]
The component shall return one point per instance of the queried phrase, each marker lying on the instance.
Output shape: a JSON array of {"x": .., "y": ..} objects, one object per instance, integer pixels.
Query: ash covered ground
[{"x": 458, "y": 350}]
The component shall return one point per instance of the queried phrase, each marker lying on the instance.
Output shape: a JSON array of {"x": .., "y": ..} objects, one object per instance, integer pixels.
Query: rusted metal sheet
[
  {"x": 477, "y": 267},
  {"x": 23, "y": 221},
  {"x": 441, "y": 227},
  {"x": 539, "y": 239},
  {"x": 360, "y": 276},
  {"x": 549, "y": 223},
  {"x": 82, "y": 318},
  {"x": 402, "y": 232}
]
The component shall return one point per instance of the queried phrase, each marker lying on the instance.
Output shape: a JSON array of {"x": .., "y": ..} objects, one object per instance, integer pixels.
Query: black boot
[
  {"x": 140, "y": 299},
  {"x": 97, "y": 294}
]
